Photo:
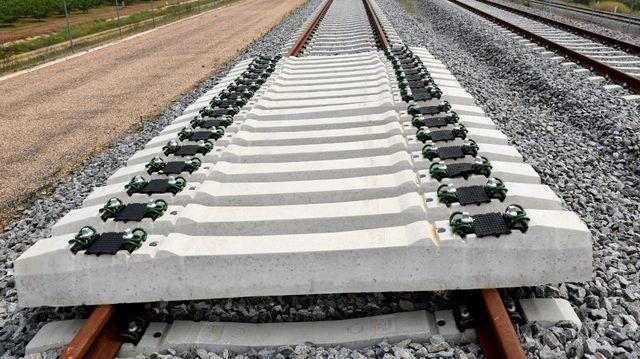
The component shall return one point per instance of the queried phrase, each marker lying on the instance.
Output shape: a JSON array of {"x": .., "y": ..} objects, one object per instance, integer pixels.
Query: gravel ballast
[
  {"x": 582, "y": 141},
  {"x": 18, "y": 326},
  {"x": 581, "y": 24}
]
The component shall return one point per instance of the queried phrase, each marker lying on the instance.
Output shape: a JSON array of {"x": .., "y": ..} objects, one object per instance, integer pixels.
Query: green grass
[
  {"x": 612, "y": 6},
  {"x": 137, "y": 22},
  {"x": 408, "y": 5}
]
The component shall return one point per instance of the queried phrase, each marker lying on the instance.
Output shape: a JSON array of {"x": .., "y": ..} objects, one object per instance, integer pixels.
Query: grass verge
[{"x": 27, "y": 53}]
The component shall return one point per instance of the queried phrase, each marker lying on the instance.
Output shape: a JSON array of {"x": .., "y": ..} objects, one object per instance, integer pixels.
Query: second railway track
[
  {"x": 302, "y": 175},
  {"x": 609, "y": 57}
]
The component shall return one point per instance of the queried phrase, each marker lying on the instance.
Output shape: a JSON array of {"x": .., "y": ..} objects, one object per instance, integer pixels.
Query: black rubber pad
[
  {"x": 106, "y": 243},
  {"x": 235, "y": 93},
  {"x": 240, "y": 88},
  {"x": 445, "y": 153},
  {"x": 435, "y": 122},
  {"x": 407, "y": 67},
  {"x": 411, "y": 71},
  {"x": 187, "y": 150},
  {"x": 216, "y": 122},
  {"x": 245, "y": 81},
  {"x": 460, "y": 170},
  {"x": 429, "y": 110},
  {"x": 229, "y": 102},
  {"x": 472, "y": 195},
  {"x": 132, "y": 212},
  {"x": 252, "y": 75},
  {"x": 418, "y": 84},
  {"x": 421, "y": 95},
  {"x": 218, "y": 112},
  {"x": 444, "y": 135},
  {"x": 201, "y": 136},
  {"x": 490, "y": 224},
  {"x": 155, "y": 186},
  {"x": 172, "y": 168}
]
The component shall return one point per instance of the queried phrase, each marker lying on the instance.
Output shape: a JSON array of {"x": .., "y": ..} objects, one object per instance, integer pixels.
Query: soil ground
[
  {"x": 53, "y": 118},
  {"x": 24, "y": 28}
]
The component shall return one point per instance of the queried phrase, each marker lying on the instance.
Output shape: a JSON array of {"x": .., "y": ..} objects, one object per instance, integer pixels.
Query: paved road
[{"x": 53, "y": 118}]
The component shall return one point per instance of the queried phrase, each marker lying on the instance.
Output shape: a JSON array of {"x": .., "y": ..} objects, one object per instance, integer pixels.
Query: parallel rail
[
  {"x": 306, "y": 35},
  {"x": 495, "y": 332},
  {"x": 98, "y": 337},
  {"x": 382, "y": 37},
  {"x": 298, "y": 48},
  {"x": 620, "y": 77},
  {"x": 623, "y": 19},
  {"x": 626, "y": 46}
]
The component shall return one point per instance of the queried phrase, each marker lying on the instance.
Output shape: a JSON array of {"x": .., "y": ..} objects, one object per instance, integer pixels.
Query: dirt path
[{"x": 56, "y": 116}]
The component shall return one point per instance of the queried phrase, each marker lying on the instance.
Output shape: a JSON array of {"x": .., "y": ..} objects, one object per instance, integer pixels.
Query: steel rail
[
  {"x": 622, "y": 78},
  {"x": 495, "y": 332},
  {"x": 98, "y": 337},
  {"x": 296, "y": 49},
  {"x": 379, "y": 32},
  {"x": 623, "y": 19},
  {"x": 627, "y": 46}
]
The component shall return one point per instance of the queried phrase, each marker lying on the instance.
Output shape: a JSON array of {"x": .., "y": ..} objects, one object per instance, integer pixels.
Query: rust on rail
[
  {"x": 603, "y": 69},
  {"x": 379, "y": 32},
  {"x": 299, "y": 45},
  {"x": 98, "y": 337},
  {"x": 495, "y": 332}
]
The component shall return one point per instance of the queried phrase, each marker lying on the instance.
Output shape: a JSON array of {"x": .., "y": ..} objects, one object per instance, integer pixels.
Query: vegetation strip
[{"x": 25, "y": 53}]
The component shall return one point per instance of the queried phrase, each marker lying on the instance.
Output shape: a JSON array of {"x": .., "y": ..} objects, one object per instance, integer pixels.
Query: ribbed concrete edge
[{"x": 350, "y": 333}]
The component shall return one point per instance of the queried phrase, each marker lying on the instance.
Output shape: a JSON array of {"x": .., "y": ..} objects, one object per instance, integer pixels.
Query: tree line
[{"x": 12, "y": 10}]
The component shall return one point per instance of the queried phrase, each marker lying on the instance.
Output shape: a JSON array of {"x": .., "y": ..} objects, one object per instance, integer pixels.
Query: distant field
[
  {"x": 57, "y": 116},
  {"x": 41, "y": 41},
  {"x": 29, "y": 27},
  {"x": 620, "y": 6}
]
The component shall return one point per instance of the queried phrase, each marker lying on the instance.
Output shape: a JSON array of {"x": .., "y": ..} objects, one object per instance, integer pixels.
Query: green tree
[
  {"x": 85, "y": 5},
  {"x": 58, "y": 6},
  {"x": 40, "y": 9},
  {"x": 10, "y": 11}
]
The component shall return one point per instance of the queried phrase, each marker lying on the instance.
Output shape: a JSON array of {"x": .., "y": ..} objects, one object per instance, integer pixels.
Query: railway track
[
  {"x": 354, "y": 164},
  {"x": 609, "y": 57},
  {"x": 623, "y": 20}
]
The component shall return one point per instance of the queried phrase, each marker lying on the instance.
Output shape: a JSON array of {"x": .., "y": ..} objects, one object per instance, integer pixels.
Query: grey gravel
[
  {"x": 405, "y": 349},
  {"x": 584, "y": 143},
  {"x": 579, "y": 23},
  {"x": 298, "y": 308},
  {"x": 18, "y": 326}
]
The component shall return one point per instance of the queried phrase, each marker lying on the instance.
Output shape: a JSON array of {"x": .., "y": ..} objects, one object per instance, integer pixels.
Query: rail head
[
  {"x": 379, "y": 31},
  {"x": 296, "y": 49},
  {"x": 620, "y": 17},
  {"x": 627, "y": 46},
  {"x": 622, "y": 78}
]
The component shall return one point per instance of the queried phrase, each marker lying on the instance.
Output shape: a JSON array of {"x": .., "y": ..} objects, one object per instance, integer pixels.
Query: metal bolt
[
  {"x": 512, "y": 211},
  {"x": 466, "y": 218}
]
